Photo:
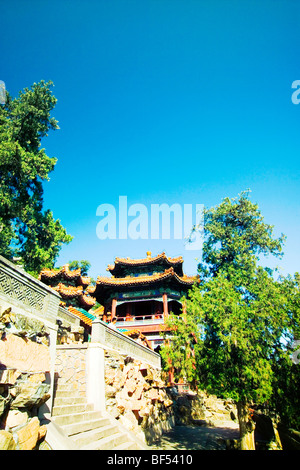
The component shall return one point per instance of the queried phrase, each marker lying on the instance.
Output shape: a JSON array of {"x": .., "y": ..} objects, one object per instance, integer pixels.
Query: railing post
[
  {"x": 98, "y": 331},
  {"x": 95, "y": 367}
]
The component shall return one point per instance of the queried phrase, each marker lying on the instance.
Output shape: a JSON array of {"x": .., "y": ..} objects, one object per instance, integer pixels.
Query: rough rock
[
  {"x": 4, "y": 403},
  {"x": 7, "y": 441},
  {"x": 38, "y": 378},
  {"x": 192, "y": 407},
  {"x": 42, "y": 432},
  {"x": 24, "y": 361},
  {"x": 9, "y": 376},
  {"x": 28, "y": 436},
  {"x": 23, "y": 354},
  {"x": 16, "y": 418},
  {"x": 136, "y": 395},
  {"x": 30, "y": 394}
]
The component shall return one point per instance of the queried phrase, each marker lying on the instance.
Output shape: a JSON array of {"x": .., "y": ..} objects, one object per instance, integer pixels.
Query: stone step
[
  {"x": 107, "y": 443},
  {"x": 59, "y": 393},
  {"x": 71, "y": 409},
  {"x": 62, "y": 386},
  {"x": 65, "y": 387},
  {"x": 69, "y": 400},
  {"x": 88, "y": 429},
  {"x": 127, "y": 446},
  {"x": 89, "y": 437},
  {"x": 82, "y": 426},
  {"x": 63, "y": 420}
]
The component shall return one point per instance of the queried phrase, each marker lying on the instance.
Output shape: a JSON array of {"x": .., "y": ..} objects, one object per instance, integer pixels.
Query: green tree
[
  {"x": 26, "y": 230},
  {"x": 84, "y": 265},
  {"x": 286, "y": 398},
  {"x": 180, "y": 347},
  {"x": 245, "y": 317}
]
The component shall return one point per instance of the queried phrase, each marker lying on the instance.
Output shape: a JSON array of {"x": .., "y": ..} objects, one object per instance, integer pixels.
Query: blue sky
[{"x": 163, "y": 101}]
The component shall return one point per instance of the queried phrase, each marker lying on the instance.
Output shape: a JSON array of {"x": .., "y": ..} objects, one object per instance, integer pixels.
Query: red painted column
[
  {"x": 165, "y": 304},
  {"x": 113, "y": 308}
]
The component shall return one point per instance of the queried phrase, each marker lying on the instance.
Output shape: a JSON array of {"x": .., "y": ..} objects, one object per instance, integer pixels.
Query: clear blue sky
[{"x": 164, "y": 101}]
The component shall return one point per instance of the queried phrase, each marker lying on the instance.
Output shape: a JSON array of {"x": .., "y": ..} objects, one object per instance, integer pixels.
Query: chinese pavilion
[
  {"x": 141, "y": 293},
  {"x": 71, "y": 285}
]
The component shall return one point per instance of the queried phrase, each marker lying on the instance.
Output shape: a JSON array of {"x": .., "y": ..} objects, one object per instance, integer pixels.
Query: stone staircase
[{"x": 87, "y": 428}]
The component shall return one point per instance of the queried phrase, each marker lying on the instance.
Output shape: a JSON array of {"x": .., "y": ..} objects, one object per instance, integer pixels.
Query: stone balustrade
[
  {"x": 110, "y": 338},
  {"x": 26, "y": 294}
]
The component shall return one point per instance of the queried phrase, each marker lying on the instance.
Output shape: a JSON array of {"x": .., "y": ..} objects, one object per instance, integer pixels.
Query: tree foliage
[
  {"x": 235, "y": 235},
  {"x": 83, "y": 265},
  {"x": 26, "y": 230},
  {"x": 180, "y": 346},
  {"x": 246, "y": 318}
]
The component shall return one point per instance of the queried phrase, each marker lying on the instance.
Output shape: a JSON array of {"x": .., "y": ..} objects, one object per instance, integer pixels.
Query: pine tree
[
  {"x": 26, "y": 230},
  {"x": 245, "y": 316}
]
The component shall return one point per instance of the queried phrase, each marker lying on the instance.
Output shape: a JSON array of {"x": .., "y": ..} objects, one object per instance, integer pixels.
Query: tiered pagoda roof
[
  {"x": 142, "y": 280},
  {"x": 65, "y": 273},
  {"x": 161, "y": 260},
  {"x": 156, "y": 272},
  {"x": 70, "y": 284}
]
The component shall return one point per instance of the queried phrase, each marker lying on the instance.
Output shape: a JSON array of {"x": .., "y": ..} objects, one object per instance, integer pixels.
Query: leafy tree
[
  {"x": 286, "y": 398},
  {"x": 84, "y": 265},
  {"x": 246, "y": 319},
  {"x": 26, "y": 230},
  {"x": 235, "y": 235},
  {"x": 179, "y": 350}
]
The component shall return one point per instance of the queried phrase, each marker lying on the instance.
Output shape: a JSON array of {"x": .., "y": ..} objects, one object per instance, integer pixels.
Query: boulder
[
  {"x": 138, "y": 391},
  {"x": 136, "y": 405},
  {"x": 130, "y": 386},
  {"x": 37, "y": 377},
  {"x": 110, "y": 391},
  {"x": 29, "y": 394},
  {"x": 4, "y": 403},
  {"x": 168, "y": 402},
  {"x": 7, "y": 441},
  {"x": 28, "y": 435},
  {"x": 42, "y": 432},
  {"x": 23, "y": 354},
  {"x": 152, "y": 393},
  {"x": 121, "y": 405},
  {"x": 16, "y": 418},
  {"x": 110, "y": 376},
  {"x": 9, "y": 376}
]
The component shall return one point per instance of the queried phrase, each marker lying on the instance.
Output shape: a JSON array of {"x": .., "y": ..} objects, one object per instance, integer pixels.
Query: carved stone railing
[
  {"x": 25, "y": 292},
  {"x": 29, "y": 297},
  {"x": 68, "y": 317},
  {"x": 110, "y": 338}
]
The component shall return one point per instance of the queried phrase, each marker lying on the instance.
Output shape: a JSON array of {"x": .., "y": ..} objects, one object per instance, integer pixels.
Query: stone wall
[
  {"x": 24, "y": 372},
  {"x": 70, "y": 366},
  {"x": 28, "y": 331},
  {"x": 200, "y": 408},
  {"x": 136, "y": 396}
]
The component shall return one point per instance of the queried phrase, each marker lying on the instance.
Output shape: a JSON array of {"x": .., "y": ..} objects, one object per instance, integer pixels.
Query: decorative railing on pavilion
[{"x": 140, "y": 320}]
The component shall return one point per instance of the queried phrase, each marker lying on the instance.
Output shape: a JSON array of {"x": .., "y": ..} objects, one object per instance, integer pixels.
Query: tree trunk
[
  {"x": 276, "y": 444},
  {"x": 247, "y": 427}
]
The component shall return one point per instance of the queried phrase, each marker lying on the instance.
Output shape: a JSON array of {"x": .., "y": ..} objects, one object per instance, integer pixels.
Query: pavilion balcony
[{"x": 139, "y": 320}]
